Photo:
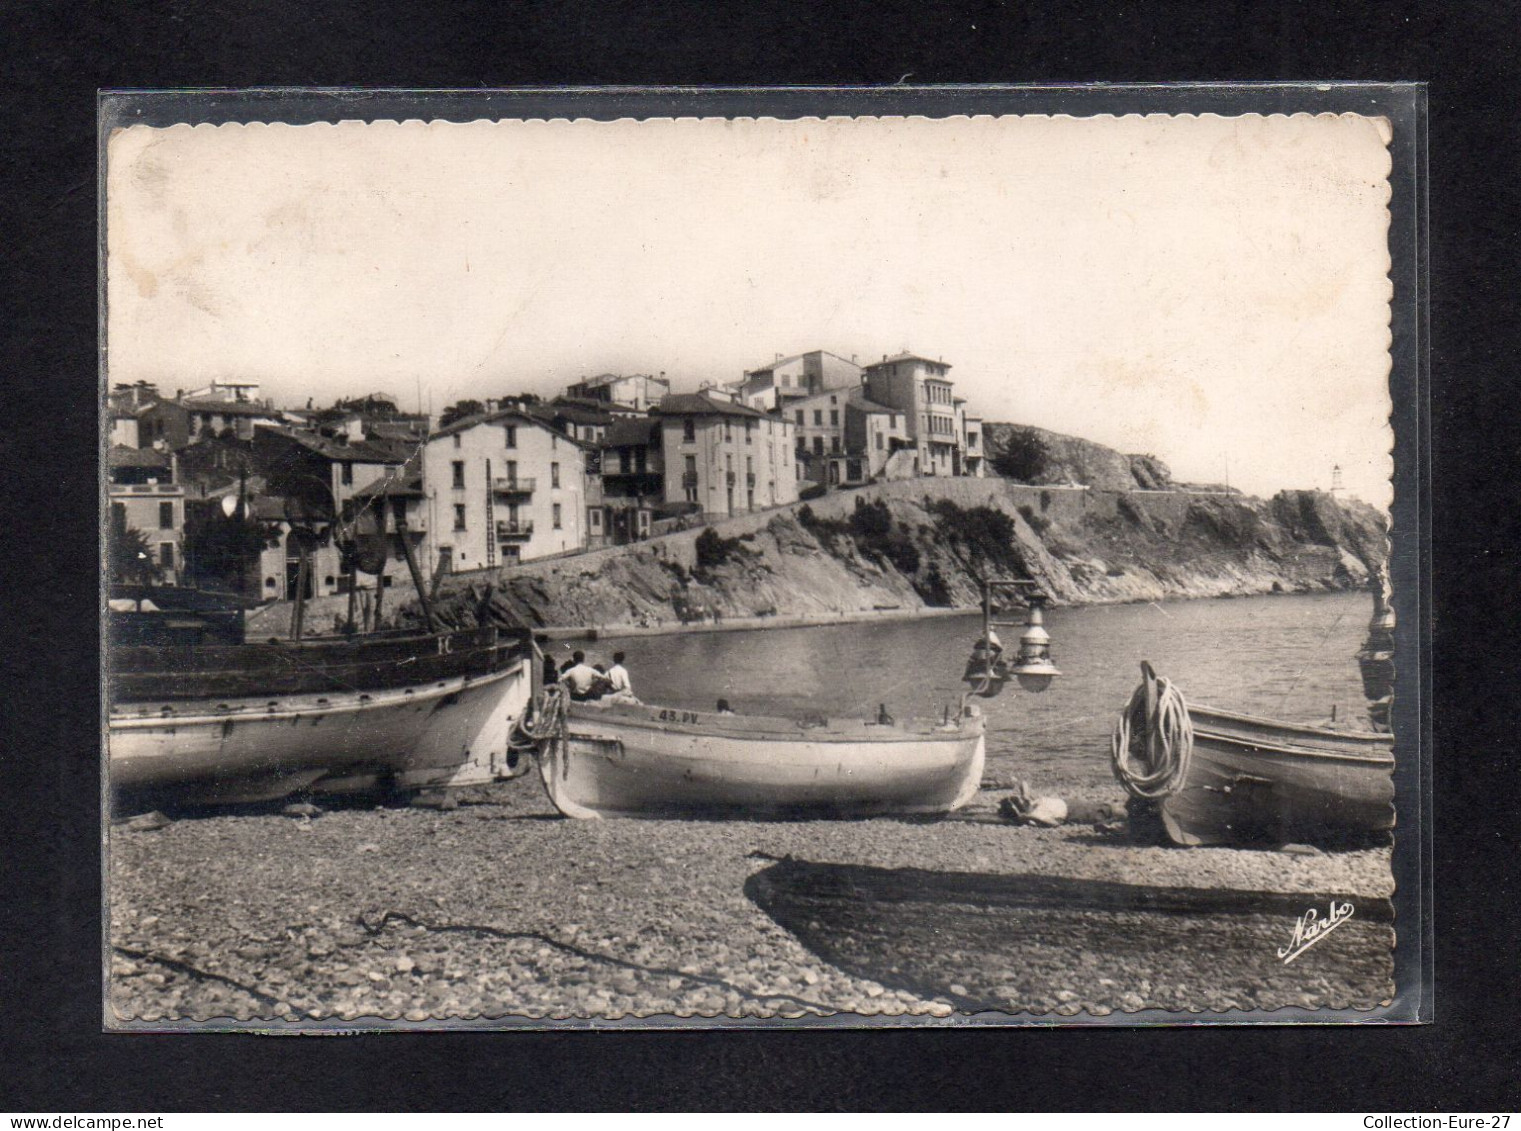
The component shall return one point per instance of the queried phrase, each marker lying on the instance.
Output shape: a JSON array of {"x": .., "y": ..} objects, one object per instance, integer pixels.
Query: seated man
[
  {"x": 581, "y": 678},
  {"x": 617, "y": 676}
]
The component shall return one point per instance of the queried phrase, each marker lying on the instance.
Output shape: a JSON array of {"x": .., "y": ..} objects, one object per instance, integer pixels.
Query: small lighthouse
[{"x": 1336, "y": 484}]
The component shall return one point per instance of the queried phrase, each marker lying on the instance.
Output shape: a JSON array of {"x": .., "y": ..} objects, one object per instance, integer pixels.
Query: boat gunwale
[
  {"x": 348, "y": 702},
  {"x": 1359, "y": 737},
  {"x": 769, "y": 728}
]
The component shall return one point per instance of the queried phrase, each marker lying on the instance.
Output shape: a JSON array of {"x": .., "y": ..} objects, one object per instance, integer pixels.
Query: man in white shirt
[
  {"x": 580, "y": 677},
  {"x": 617, "y": 675}
]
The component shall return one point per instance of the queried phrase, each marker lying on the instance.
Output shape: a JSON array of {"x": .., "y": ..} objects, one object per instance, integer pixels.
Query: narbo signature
[{"x": 1310, "y": 928}]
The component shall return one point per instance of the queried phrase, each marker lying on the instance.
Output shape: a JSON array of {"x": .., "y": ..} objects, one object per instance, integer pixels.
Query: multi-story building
[
  {"x": 921, "y": 389},
  {"x": 723, "y": 459},
  {"x": 502, "y": 488},
  {"x": 144, "y": 497},
  {"x": 638, "y": 391},
  {"x": 844, "y": 437},
  {"x": 974, "y": 451},
  {"x": 633, "y": 480},
  {"x": 243, "y": 392},
  {"x": 770, "y": 388},
  {"x": 312, "y": 481}
]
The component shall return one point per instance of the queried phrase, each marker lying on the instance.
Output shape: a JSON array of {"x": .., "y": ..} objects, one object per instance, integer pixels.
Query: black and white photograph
[{"x": 749, "y": 571}]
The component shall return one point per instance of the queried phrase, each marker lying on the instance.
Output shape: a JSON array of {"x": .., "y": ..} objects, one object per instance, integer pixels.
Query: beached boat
[
  {"x": 202, "y": 720},
  {"x": 1200, "y": 776},
  {"x": 611, "y": 759}
]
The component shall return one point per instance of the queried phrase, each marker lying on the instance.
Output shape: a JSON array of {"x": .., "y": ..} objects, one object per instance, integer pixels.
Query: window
[
  {"x": 347, "y": 475},
  {"x": 510, "y": 431},
  {"x": 834, "y": 444},
  {"x": 459, "y": 514},
  {"x": 457, "y": 440},
  {"x": 834, "y": 418},
  {"x": 595, "y": 517},
  {"x": 818, "y": 417},
  {"x": 269, "y": 583},
  {"x": 749, "y": 431},
  {"x": 554, "y": 477},
  {"x": 749, "y": 465},
  {"x": 118, "y": 516},
  {"x": 512, "y": 471},
  {"x": 459, "y": 473},
  {"x": 799, "y": 418},
  {"x": 728, "y": 431},
  {"x": 166, "y": 516},
  {"x": 166, "y": 554},
  {"x": 689, "y": 431},
  {"x": 818, "y": 445},
  {"x": 879, "y": 441},
  {"x": 556, "y": 516}
]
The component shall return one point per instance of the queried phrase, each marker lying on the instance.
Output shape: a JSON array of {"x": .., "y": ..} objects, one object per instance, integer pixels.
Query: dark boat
[
  {"x": 198, "y": 716},
  {"x": 1201, "y": 776}
]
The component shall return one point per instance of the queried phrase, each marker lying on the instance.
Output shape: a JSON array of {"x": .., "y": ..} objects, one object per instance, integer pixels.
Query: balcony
[
  {"x": 689, "y": 479},
  {"x": 514, "y": 531},
  {"x": 730, "y": 479},
  {"x": 750, "y": 479},
  {"x": 520, "y": 487},
  {"x": 146, "y": 489}
]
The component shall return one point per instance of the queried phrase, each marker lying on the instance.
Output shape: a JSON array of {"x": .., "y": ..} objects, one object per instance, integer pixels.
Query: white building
[
  {"x": 773, "y": 387},
  {"x": 724, "y": 458},
  {"x": 635, "y": 390},
  {"x": 920, "y": 388},
  {"x": 500, "y": 489}
]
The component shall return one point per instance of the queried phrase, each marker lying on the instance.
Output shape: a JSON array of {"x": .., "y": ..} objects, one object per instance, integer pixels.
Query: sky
[{"x": 1213, "y": 291}]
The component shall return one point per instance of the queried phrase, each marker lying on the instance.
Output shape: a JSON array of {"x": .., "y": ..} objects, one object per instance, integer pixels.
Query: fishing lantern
[{"x": 1032, "y": 666}]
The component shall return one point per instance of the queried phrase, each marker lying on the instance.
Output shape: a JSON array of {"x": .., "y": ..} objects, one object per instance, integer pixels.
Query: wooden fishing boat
[
  {"x": 611, "y": 759},
  {"x": 1201, "y": 776},
  {"x": 208, "y": 722}
]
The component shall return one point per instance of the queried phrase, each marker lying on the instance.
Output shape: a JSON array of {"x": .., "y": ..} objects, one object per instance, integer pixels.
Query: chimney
[{"x": 179, "y": 394}]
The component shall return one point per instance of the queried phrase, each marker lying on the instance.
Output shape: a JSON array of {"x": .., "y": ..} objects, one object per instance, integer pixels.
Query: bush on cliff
[
  {"x": 870, "y": 530},
  {"x": 983, "y": 537},
  {"x": 713, "y": 550},
  {"x": 1023, "y": 457}
]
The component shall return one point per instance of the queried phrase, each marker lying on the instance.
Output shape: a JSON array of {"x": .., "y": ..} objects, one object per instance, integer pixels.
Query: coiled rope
[
  {"x": 544, "y": 722},
  {"x": 1153, "y": 739}
]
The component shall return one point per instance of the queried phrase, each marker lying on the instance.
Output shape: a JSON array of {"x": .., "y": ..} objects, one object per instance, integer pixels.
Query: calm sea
[{"x": 1290, "y": 657}]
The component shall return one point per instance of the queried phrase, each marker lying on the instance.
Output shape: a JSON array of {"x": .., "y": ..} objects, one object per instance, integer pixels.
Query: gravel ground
[{"x": 500, "y": 908}]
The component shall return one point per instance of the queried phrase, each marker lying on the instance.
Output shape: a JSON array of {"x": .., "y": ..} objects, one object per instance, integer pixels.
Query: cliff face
[
  {"x": 921, "y": 543},
  {"x": 1034, "y": 455}
]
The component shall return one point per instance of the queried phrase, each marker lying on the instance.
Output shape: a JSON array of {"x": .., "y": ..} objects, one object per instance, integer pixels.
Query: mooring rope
[
  {"x": 543, "y": 722},
  {"x": 1156, "y": 719}
]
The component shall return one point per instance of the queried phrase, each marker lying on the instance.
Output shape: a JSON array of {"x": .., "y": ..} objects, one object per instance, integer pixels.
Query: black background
[{"x": 53, "y": 1055}]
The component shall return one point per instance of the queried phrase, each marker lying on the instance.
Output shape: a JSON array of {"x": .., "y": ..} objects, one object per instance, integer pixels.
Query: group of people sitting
[{"x": 591, "y": 681}]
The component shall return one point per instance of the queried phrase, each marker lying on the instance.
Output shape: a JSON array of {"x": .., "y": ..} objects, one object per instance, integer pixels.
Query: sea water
[{"x": 1289, "y": 657}]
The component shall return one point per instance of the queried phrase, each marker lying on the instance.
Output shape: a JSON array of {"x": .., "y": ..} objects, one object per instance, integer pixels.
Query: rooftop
[
  {"x": 629, "y": 432},
  {"x": 354, "y": 451},
  {"x": 521, "y": 415},
  {"x": 908, "y": 357},
  {"x": 796, "y": 357},
  {"x": 700, "y": 404},
  {"x": 393, "y": 487},
  {"x": 122, "y": 456},
  {"x": 226, "y": 408}
]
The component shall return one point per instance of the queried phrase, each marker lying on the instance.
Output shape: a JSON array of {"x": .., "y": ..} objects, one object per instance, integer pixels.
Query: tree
[
  {"x": 130, "y": 555},
  {"x": 221, "y": 547},
  {"x": 459, "y": 410},
  {"x": 1023, "y": 456}
]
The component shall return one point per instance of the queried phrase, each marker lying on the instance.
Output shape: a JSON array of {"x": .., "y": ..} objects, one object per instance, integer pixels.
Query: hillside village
[{"x": 221, "y": 489}]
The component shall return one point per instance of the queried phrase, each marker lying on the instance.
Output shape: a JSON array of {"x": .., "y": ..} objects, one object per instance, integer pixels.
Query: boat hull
[
  {"x": 448, "y": 732},
  {"x": 640, "y": 761},
  {"x": 1255, "y": 780}
]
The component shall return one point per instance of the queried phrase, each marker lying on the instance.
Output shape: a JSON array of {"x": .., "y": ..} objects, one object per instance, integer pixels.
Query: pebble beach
[{"x": 487, "y": 906}]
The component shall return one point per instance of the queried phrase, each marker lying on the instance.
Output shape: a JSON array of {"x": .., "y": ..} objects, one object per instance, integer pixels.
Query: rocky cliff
[{"x": 921, "y": 543}]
